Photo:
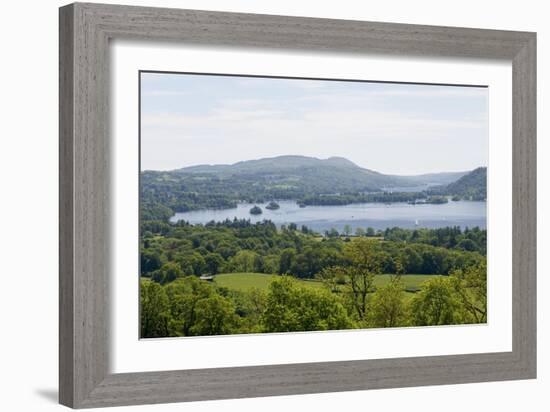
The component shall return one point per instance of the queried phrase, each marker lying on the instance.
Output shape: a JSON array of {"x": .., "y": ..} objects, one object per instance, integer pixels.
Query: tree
[
  {"x": 472, "y": 290},
  {"x": 226, "y": 250},
  {"x": 434, "y": 261},
  {"x": 198, "y": 309},
  {"x": 213, "y": 263},
  {"x": 286, "y": 260},
  {"x": 307, "y": 263},
  {"x": 250, "y": 306},
  {"x": 293, "y": 308},
  {"x": 193, "y": 264},
  {"x": 243, "y": 261},
  {"x": 271, "y": 264},
  {"x": 366, "y": 262},
  {"x": 347, "y": 230},
  {"x": 330, "y": 256},
  {"x": 411, "y": 260},
  {"x": 387, "y": 307},
  {"x": 150, "y": 261},
  {"x": 214, "y": 315},
  {"x": 154, "y": 310},
  {"x": 437, "y": 303},
  {"x": 467, "y": 244},
  {"x": 183, "y": 295},
  {"x": 167, "y": 273}
]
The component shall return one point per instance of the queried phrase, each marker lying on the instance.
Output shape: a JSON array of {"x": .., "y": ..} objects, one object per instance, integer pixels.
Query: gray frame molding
[{"x": 85, "y": 31}]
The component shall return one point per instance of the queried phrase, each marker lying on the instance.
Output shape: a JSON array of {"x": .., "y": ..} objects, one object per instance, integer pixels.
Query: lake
[{"x": 375, "y": 215}]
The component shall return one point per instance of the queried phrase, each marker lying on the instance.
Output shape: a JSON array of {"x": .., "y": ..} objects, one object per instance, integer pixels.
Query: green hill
[
  {"x": 301, "y": 173},
  {"x": 262, "y": 180},
  {"x": 472, "y": 186}
]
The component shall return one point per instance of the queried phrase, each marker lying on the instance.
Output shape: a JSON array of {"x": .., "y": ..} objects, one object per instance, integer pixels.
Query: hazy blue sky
[{"x": 390, "y": 128}]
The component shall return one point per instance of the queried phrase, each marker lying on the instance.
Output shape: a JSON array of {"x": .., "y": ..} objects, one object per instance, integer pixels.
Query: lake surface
[{"x": 375, "y": 215}]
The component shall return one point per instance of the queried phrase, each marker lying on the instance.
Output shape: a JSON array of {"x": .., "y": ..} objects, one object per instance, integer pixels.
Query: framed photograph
[{"x": 258, "y": 205}]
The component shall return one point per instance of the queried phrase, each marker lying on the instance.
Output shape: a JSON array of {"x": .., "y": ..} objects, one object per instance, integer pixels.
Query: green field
[
  {"x": 245, "y": 281},
  {"x": 410, "y": 281}
]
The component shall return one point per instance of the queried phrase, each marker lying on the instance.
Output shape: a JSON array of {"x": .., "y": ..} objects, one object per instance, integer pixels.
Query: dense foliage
[
  {"x": 241, "y": 246},
  {"x": 188, "y": 306},
  {"x": 175, "y": 302}
]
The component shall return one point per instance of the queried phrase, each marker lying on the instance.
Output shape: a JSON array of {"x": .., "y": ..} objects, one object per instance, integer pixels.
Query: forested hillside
[
  {"x": 308, "y": 180},
  {"x": 472, "y": 186}
]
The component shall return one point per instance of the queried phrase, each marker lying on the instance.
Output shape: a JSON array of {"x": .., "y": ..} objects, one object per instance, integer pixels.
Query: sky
[{"x": 387, "y": 127}]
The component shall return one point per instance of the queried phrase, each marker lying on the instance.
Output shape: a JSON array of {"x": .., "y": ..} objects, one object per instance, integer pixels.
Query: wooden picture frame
[{"x": 85, "y": 32}]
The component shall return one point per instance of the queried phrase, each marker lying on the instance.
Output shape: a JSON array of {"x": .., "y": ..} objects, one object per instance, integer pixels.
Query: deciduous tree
[
  {"x": 154, "y": 310},
  {"x": 437, "y": 303},
  {"x": 294, "y": 308},
  {"x": 472, "y": 290},
  {"x": 387, "y": 307}
]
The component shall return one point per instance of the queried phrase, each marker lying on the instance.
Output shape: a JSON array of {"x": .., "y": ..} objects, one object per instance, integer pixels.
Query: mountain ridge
[
  {"x": 299, "y": 161},
  {"x": 309, "y": 181}
]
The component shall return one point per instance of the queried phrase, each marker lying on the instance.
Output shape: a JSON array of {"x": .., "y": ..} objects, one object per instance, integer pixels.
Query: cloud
[{"x": 389, "y": 128}]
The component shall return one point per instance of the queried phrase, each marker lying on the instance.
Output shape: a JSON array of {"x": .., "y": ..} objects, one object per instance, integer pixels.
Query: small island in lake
[
  {"x": 273, "y": 206},
  {"x": 256, "y": 210}
]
